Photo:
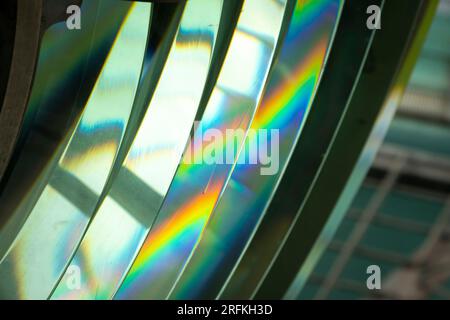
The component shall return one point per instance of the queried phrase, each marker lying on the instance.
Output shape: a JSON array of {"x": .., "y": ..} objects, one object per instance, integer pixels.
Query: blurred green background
[{"x": 400, "y": 219}]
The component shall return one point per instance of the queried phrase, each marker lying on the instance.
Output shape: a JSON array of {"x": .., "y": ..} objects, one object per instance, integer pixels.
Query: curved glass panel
[
  {"x": 281, "y": 115},
  {"x": 175, "y": 149},
  {"x": 125, "y": 216},
  {"x": 203, "y": 173},
  {"x": 68, "y": 67},
  {"x": 60, "y": 215}
]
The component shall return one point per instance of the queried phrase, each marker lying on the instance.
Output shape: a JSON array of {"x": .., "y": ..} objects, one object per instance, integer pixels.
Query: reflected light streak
[
  {"x": 115, "y": 235},
  {"x": 58, "y": 225},
  {"x": 196, "y": 187},
  {"x": 285, "y": 107}
]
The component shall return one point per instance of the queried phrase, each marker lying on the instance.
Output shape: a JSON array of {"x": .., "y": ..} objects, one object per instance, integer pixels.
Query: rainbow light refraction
[
  {"x": 56, "y": 223},
  {"x": 197, "y": 187},
  {"x": 285, "y": 108}
]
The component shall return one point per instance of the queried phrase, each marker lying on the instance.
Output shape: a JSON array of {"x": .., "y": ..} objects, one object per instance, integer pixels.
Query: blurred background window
[{"x": 400, "y": 218}]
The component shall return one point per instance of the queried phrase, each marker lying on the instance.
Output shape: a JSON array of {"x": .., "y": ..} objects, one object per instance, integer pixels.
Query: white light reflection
[{"x": 114, "y": 235}]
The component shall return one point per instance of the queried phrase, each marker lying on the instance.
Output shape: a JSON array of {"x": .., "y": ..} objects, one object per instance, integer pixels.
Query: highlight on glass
[{"x": 197, "y": 149}]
